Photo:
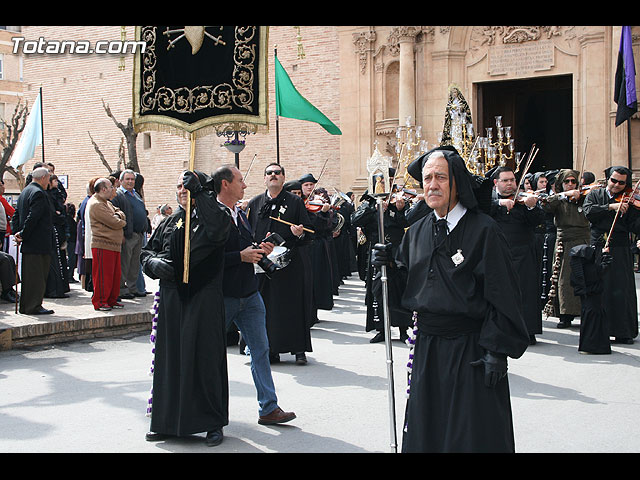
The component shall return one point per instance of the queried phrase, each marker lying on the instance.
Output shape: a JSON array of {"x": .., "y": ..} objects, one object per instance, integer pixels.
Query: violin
[
  {"x": 628, "y": 195},
  {"x": 315, "y": 205},
  {"x": 585, "y": 189}
]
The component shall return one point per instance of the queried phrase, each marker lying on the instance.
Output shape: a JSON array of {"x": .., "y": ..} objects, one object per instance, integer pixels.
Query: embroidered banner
[{"x": 190, "y": 79}]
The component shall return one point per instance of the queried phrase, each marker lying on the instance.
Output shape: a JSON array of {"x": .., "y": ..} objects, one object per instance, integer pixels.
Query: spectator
[
  {"x": 6, "y": 212},
  {"x": 33, "y": 227},
  {"x": 133, "y": 207},
  {"x": 107, "y": 223}
]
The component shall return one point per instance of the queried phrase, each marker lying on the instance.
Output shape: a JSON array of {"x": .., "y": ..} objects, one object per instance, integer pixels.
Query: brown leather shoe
[{"x": 277, "y": 416}]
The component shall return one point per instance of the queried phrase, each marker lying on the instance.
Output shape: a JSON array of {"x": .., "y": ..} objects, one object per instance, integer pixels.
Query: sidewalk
[{"x": 74, "y": 318}]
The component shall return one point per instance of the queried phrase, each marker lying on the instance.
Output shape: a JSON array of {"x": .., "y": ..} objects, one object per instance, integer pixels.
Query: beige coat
[{"x": 107, "y": 223}]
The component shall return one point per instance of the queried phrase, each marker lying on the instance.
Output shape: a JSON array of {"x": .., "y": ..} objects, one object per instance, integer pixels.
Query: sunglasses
[
  {"x": 614, "y": 181},
  {"x": 273, "y": 172}
]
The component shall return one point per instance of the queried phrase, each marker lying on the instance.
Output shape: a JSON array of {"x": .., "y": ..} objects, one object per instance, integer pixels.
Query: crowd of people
[{"x": 475, "y": 263}]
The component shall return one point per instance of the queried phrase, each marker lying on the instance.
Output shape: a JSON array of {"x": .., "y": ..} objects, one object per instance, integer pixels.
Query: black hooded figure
[
  {"x": 463, "y": 293},
  {"x": 190, "y": 379},
  {"x": 619, "y": 295}
]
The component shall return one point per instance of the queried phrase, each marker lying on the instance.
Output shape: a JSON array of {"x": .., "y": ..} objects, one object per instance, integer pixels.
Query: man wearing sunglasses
[
  {"x": 619, "y": 297},
  {"x": 572, "y": 230},
  {"x": 287, "y": 301}
]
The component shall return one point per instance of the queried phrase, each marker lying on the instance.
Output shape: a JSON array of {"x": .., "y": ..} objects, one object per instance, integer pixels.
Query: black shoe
[
  {"x": 564, "y": 324},
  {"x": 301, "y": 358},
  {"x": 155, "y": 437},
  {"x": 10, "y": 296},
  {"x": 214, "y": 438},
  {"x": 626, "y": 341},
  {"x": 42, "y": 311},
  {"x": 378, "y": 338},
  {"x": 127, "y": 296},
  {"x": 532, "y": 340},
  {"x": 140, "y": 294},
  {"x": 274, "y": 358}
]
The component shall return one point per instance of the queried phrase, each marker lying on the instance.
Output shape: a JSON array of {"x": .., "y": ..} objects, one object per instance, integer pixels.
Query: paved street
[{"x": 91, "y": 396}]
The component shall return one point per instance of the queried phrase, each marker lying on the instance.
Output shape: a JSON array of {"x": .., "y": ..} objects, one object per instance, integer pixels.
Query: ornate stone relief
[{"x": 483, "y": 37}]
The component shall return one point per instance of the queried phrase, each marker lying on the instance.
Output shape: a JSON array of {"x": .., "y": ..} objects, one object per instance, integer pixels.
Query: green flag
[{"x": 290, "y": 104}]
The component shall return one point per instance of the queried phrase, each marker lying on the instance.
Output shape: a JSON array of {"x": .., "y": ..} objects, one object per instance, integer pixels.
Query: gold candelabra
[{"x": 409, "y": 145}]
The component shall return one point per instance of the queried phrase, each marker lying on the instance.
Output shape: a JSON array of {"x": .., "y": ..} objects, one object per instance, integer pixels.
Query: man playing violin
[
  {"x": 602, "y": 207},
  {"x": 518, "y": 214},
  {"x": 572, "y": 230}
]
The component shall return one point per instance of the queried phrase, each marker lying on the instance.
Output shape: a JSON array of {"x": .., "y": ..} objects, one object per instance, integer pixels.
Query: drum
[{"x": 280, "y": 256}]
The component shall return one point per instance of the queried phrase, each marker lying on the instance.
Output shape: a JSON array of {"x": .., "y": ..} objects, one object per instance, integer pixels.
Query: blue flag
[
  {"x": 31, "y": 136},
  {"x": 625, "y": 81}
]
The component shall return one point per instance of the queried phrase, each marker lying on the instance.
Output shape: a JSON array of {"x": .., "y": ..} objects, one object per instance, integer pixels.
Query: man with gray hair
[
  {"x": 33, "y": 227},
  {"x": 131, "y": 203}
]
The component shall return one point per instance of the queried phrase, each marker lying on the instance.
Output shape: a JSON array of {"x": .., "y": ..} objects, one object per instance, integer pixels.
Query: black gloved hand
[
  {"x": 159, "y": 268},
  {"x": 605, "y": 260},
  {"x": 191, "y": 182},
  {"x": 495, "y": 367},
  {"x": 381, "y": 255}
]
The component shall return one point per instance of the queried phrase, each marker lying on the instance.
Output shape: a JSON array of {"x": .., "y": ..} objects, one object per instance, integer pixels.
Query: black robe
[
  {"x": 461, "y": 312},
  {"x": 394, "y": 222},
  {"x": 190, "y": 380},
  {"x": 290, "y": 312},
  {"x": 321, "y": 260},
  {"x": 586, "y": 280},
  {"x": 518, "y": 225},
  {"x": 619, "y": 296}
]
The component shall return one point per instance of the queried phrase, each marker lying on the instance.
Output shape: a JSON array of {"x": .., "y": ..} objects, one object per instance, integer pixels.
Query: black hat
[
  {"x": 465, "y": 182},
  {"x": 292, "y": 185},
  {"x": 307, "y": 178}
]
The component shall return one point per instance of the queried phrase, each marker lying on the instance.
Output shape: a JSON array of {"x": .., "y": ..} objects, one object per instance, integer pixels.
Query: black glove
[
  {"x": 495, "y": 367},
  {"x": 381, "y": 255},
  {"x": 191, "y": 182},
  {"x": 605, "y": 260},
  {"x": 159, "y": 268}
]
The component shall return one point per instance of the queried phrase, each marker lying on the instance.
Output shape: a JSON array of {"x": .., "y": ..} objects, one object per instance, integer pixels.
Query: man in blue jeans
[{"x": 242, "y": 301}]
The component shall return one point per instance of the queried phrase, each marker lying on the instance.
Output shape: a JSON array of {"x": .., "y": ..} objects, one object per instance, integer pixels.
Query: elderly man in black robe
[
  {"x": 190, "y": 381},
  {"x": 619, "y": 295},
  {"x": 285, "y": 292},
  {"x": 518, "y": 219},
  {"x": 453, "y": 269}
]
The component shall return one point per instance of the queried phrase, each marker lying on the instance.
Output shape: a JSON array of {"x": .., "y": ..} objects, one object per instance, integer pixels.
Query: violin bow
[{"x": 317, "y": 182}]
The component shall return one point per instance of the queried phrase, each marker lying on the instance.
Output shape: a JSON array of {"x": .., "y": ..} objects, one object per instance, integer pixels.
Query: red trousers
[{"x": 106, "y": 277}]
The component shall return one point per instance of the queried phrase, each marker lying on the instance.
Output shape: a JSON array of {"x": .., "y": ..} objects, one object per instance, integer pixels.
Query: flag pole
[
  {"x": 42, "y": 123},
  {"x": 275, "y": 54}
]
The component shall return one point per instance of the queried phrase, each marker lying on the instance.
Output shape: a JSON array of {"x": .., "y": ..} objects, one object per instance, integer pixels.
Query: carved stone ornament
[{"x": 364, "y": 42}]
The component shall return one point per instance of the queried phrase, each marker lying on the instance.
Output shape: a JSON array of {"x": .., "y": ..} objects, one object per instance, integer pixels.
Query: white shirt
[{"x": 453, "y": 217}]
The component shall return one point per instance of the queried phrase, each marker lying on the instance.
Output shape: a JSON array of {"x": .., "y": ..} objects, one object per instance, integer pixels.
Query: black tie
[{"x": 440, "y": 232}]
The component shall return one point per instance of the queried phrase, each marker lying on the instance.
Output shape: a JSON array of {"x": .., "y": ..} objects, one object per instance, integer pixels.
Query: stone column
[{"x": 407, "y": 81}]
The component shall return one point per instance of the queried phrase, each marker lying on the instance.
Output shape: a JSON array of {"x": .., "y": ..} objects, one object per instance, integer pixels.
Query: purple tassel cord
[{"x": 152, "y": 340}]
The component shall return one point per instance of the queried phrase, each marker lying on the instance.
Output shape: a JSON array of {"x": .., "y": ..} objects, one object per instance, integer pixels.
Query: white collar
[{"x": 453, "y": 217}]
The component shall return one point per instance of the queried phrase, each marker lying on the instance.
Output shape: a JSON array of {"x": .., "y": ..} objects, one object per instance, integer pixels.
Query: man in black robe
[
  {"x": 619, "y": 296},
  {"x": 518, "y": 220},
  {"x": 320, "y": 217},
  {"x": 285, "y": 292},
  {"x": 190, "y": 381},
  {"x": 460, "y": 283},
  {"x": 394, "y": 222}
]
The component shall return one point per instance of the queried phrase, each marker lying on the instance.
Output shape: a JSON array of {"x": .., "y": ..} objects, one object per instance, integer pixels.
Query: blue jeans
[{"x": 249, "y": 315}]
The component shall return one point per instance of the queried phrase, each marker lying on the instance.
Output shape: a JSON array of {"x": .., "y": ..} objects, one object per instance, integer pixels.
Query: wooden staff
[
  {"x": 187, "y": 220},
  {"x": 17, "y": 268},
  {"x": 291, "y": 224}
]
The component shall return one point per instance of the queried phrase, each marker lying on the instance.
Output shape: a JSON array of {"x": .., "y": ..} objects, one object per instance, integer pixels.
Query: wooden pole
[{"x": 187, "y": 219}]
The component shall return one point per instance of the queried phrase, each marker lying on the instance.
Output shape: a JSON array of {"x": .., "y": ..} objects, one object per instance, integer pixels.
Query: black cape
[
  {"x": 321, "y": 260},
  {"x": 190, "y": 380},
  {"x": 518, "y": 226},
  {"x": 288, "y": 293},
  {"x": 461, "y": 312},
  {"x": 619, "y": 298},
  {"x": 586, "y": 280}
]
